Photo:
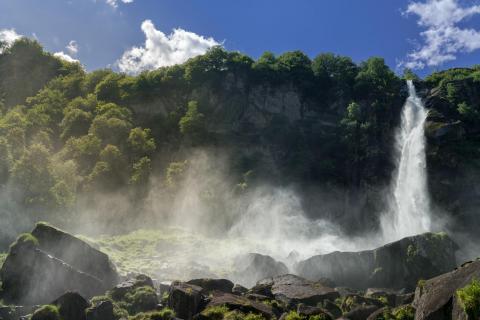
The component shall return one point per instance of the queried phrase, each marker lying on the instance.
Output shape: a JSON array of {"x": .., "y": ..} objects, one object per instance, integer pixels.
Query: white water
[{"x": 410, "y": 209}]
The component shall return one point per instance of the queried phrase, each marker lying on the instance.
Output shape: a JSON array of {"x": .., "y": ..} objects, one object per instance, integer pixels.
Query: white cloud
[
  {"x": 64, "y": 56},
  {"x": 114, "y": 3},
  {"x": 72, "y": 47},
  {"x": 163, "y": 50},
  {"x": 8, "y": 36},
  {"x": 443, "y": 38}
]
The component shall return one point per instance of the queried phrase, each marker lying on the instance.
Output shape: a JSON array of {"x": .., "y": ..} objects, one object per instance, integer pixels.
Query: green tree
[
  {"x": 140, "y": 143},
  {"x": 192, "y": 124}
]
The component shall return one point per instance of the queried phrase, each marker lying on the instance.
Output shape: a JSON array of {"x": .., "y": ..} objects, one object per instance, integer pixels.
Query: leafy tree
[
  {"x": 141, "y": 172},
  {"x": 192, "y": 124},
  {"x": 76, "y": 122},
  {"x": 140, "y": 143}
]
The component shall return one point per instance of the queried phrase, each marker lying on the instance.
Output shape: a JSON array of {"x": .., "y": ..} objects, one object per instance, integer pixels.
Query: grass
[
  {"x": 223, "y": 313},
  {"x": 469, "y": 298},
  {"x": 170, "y": 253}
]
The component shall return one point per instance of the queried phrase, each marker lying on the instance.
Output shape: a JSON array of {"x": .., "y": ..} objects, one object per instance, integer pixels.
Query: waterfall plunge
[{"x": 409, "y": 212}]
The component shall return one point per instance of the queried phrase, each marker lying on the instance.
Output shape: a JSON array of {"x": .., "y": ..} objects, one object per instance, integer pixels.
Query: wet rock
[
  {"x": 396, "y": 265},
  {"x": 239, "y": 290},
  {"x": 102, "y": 311},
  {"x": 292, "y": 290},
  {"x": 209, "y": 285},
  {"x": 444, "y": 131},
  {"x": 16, "y": 312},
  {"x": 389, "y": 296},
  {"x": 253, "y": 267},
  {"x": 332, "y": 308},
  {"x": 378, "y": 315},
  {"x": 185, "y": 299},
  {"x": 71, "y": 306},
  {"x": 257, "y": 297},
  {"x": 436, "y": 298},
  {"x": 403, "y": 299},
  {"x": 243, "y": 304}
]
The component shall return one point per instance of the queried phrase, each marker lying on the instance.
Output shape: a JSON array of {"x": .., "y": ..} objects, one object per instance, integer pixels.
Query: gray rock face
[
  {"x": 185, "y": 299},
  {"x": 33, "y": 273},
  {"x": 396, "y": 265},
  {"x": 253, "y": 267},
  {"x": 436, "y": 298},
  {"x": 292, "y": 290}
]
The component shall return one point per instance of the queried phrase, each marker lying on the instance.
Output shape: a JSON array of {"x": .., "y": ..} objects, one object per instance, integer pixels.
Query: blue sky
[{"x": 102, "y": 32}]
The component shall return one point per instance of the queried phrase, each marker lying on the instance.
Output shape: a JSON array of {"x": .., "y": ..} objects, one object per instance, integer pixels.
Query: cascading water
[{"x": 410, "y": 208}]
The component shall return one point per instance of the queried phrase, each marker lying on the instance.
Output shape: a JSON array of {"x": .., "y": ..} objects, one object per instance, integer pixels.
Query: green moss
[
  {"x": 3, "y": 256},
  {"x": 383, "y": 300},
  {"x": 223, "y": 313},
  {"x": 140, "y": 300},
  {"x": 164, "y": 314},
  {"x": 404, "y": 313},
  {"x": 47, "y": 312},
  {"x": 293, "y": 315},
  {"x": 469, "y": 298},
  {"x": 118, "y": 311},
  {"x": 25, "y": 239},
  {"x": 216, "y": 312}
]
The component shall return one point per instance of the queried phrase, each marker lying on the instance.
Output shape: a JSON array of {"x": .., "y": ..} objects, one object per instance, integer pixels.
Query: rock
[
  {"x": 264, "y": 289},
  {"x": 253, "y": 267},
  {"x": 46, "y": 312},
  {"x": 332, "y": 308},
  {"x": 16, "y": 312},
  {"x": 378, "y": 315},
  {"x": 396, "y": 265},
  {"x": 308, "y": 311},
  {"x": 345, "y": 291},
  {"x": 209, "y": 285},
  {"x": 32, "y": 276},
  {"x": 120, "y": 290},
  {"x": 185, "y": 299},
  {"x": 436, "y": 298},
  {"x": 354, "y": 302},
  {"x": 234, "y": 302},
  {"x": 444, "y": 131},
  {"x": 102, "y": 311},
  {"x": 257, "y": 297},
  {"x": 361, "y": 312},
  {"x": 292, "y": 290},
  {"x": 403, "y": 299},
  {"x": 388, "y": 295},
  {"x": 239, "y": 290},
  {"x": 76, "y": 253},
  {"x": 71, "y": 306}
]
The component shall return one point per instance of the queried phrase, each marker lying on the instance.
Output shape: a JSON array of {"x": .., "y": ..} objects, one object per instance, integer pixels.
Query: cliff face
[{"x": 454, "y": 149}]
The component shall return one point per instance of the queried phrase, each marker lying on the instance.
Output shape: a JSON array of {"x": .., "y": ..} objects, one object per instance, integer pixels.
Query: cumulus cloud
[
  {"x": 443, "y": 37},
  {"x": 8, "y": 36},
  {"x": 72, "y": 47},
  {"x": 64, "y": 56},
  {"x": 163, "y": 50},
  {"x": 114, "y": 3}
]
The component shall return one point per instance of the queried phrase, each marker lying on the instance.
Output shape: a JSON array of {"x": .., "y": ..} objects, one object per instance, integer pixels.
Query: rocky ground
[{"x": 50, "y": 274}]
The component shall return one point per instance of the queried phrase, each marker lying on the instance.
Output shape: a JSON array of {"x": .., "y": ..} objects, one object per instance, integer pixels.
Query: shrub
[
  {"x": 164, "y": 314},
  {"x": 469, "y": 298},
  {"x": 47, "y": 312}
]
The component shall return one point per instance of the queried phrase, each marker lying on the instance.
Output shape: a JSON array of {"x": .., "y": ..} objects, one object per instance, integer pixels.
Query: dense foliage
[{"x": 67, "y": 134}]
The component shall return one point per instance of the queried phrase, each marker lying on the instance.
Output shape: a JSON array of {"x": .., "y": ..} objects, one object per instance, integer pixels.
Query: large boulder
[
  {"x": 253, "y": 267},
  {"x": 292, "y": 290},
  {"x": 209, "y": 285},
  {"x": 437, "y": 299},
  {"x": 36, "y": 270},
  {"x": 71, "y": 306},
  {"x": 185, "y": 299},
  {"x": 396, "y": 265}
]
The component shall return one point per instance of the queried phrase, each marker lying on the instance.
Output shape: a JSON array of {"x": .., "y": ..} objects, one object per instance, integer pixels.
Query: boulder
[
  {"x": 76, "y": 253},
  {"x": 209, "y": 285},
  {"x": 436, "y": 298},
  {"x": 101, "y": 311},
  {"x": 16, "y": 312},
  {"x": 242, "y": 304},
  {"x": 361, "y": 312},
  {"x": 333, "y": 309},
  {"x": 396, "y": 265},
  {"x": 239, "y": 289},
  {"x": 307, "y": 311},
  {"x": 185, "y": 299},
  {"x": 43, "y": 265},
  {"x": 253, "y": 267},
  {"x": 128, "y": 286},
  {"x": 292, "y": 290},
  {"x": 71, "y": 306}
]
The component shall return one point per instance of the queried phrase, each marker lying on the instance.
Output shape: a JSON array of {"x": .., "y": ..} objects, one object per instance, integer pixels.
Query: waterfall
[{"x": 409, "y": 212}]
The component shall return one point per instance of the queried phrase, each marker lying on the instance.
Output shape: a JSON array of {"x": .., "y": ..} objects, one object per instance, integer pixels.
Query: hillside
[{"x": 116, "y": 147}]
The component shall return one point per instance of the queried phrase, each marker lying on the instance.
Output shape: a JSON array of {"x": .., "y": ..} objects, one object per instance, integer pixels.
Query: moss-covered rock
[
  {"x": 469, "y": 298},
  {"x": 47, "y": 312}
]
